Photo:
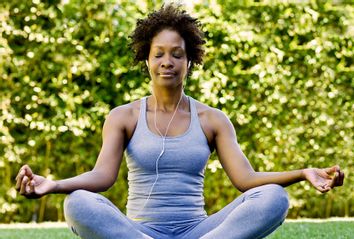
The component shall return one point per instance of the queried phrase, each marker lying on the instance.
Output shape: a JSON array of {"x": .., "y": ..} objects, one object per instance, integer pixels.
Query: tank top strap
[
  {"x": 194, "y": 113},
  {"x": 142, "y": 115}
]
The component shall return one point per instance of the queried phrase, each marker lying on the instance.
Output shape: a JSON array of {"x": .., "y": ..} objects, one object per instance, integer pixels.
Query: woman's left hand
[{"x": 324, "y": 179}]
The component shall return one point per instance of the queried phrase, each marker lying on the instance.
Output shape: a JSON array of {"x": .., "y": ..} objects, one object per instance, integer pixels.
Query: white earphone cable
[{"x": 163, "y": 148}]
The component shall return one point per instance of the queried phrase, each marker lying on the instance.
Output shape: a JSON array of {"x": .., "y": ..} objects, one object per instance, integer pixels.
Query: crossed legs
[{"x": 253, "y": 215}]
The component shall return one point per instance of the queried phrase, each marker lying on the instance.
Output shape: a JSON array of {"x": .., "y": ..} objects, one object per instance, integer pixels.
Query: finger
[
  {"x": 333, "y": 182},
  {"x": 28, "y": 171},
  {"x": 324, "y": 173},
  {"x": 340, "y": 179},
  {"x": 323, "y": 188},
  {"x": 19, "y": 179},
  {"x": 19, "y": 174},
  {"x": 21, "y": 171},
  {"x": 31, "y": 186},
  {"x": 23, "y": 185},
  {"x": 327, "y": 188}
]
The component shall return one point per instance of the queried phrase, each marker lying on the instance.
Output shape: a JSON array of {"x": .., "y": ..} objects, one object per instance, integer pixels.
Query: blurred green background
[{"x": 282, "y": 71}]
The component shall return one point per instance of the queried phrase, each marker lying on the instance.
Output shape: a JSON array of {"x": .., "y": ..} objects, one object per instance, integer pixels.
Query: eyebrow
[{"x": 173, "y": 48}]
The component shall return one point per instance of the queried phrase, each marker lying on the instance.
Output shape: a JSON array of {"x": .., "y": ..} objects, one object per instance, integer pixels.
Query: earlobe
[{"x": 147, "y": 65}]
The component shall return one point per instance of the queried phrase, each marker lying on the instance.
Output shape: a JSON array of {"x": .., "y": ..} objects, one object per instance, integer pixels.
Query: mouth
[{"x": 167, "y": 74}]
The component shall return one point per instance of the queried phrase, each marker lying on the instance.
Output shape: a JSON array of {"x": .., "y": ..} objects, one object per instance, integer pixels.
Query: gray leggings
[{"x": 254, "y": 214}]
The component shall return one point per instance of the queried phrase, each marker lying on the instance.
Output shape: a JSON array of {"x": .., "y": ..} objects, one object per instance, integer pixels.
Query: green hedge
[{"x": 282, "y": 72}]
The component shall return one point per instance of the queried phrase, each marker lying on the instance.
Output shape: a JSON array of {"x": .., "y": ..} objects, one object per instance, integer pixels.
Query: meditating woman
[{"x": 168, "y": 137}]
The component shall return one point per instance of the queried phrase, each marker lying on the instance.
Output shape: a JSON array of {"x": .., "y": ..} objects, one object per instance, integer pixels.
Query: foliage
[{"x": 282, "y": 72}]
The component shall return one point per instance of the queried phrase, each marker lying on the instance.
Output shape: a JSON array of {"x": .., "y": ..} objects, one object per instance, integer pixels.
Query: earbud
[
  {"x": 147, "y": 65},
  {"x": 189, "y": 64}
]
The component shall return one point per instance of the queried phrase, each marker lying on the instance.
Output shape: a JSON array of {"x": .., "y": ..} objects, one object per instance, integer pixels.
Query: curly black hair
[{"x": 172, "y": 17}]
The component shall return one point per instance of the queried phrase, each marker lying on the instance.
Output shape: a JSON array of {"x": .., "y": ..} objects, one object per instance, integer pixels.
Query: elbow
[
  {"x": 104, "y": 180},
  {"x": 104, "y": 187},
  {"x": 242, "y": 188},
  {"x": 107, "y": 183},
  {"x": 245, "y": 183}
]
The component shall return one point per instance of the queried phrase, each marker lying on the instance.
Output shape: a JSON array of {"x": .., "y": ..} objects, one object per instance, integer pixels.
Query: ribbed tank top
[{"x": 178, "y": 192}]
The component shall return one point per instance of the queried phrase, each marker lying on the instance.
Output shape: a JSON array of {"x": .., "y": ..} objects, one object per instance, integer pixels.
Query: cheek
[
  {"x": 155, "y": 68},
  {"x": 153, "y": 65},
  {"x": 184, "y": 68}
]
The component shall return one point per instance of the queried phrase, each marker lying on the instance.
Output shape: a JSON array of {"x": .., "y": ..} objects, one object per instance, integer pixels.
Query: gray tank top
[{"x": 178, "y": 192}]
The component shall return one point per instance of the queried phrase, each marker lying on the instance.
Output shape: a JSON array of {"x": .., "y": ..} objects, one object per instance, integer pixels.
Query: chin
[{"x": 170, "y": 84}]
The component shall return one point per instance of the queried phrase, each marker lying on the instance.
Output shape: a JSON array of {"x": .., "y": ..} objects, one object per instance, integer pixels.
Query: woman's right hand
[{"x": 31, "y": 185}]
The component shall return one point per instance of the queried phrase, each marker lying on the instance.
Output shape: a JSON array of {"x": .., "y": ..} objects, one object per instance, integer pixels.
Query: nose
[{"x": 167, "y": 63}]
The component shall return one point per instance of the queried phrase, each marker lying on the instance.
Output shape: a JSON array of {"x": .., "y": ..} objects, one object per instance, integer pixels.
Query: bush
[{"x": 282, "y": 72}]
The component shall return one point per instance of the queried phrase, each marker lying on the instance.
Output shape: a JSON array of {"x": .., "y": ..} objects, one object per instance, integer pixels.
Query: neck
[{"x": 167, "y": 100}]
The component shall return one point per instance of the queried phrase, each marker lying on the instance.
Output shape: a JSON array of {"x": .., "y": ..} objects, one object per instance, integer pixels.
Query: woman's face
[{"x": 168, "y": 59}]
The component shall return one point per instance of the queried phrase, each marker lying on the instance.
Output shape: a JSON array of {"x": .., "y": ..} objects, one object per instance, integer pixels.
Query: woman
[{"x": 168, "y": 138}]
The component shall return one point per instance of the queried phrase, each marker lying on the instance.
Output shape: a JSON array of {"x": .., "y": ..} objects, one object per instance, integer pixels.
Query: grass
[
  {"x": 37, "y": 233},
  {"x": 315, "y": 230},
  {"x": 319, "y": 229}
]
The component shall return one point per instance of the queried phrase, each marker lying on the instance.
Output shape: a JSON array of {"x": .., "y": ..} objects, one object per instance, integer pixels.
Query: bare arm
[
  {"x": 244, "y": 177},
  {"x": 99, "y": 179},
  {"x": 108, "y": 163}
]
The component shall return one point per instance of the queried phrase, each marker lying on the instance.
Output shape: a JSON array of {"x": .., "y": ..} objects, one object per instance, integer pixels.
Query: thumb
[{"x": 332, "y": 169}]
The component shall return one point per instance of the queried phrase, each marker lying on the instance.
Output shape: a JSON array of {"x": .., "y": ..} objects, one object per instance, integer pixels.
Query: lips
[{"x": 167, "y": 74}]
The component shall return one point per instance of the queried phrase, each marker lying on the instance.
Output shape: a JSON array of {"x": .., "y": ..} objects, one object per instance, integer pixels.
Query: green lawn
[
  {"x": 315, "y": 230},
  {"x": 289, "y": 230},
  {"x": 37, "y": 233}
]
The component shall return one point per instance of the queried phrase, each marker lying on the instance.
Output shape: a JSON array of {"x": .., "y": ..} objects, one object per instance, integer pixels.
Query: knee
[
  {"x": 277, "y": 199},
  {"x": 78, "y": 211},
  {"x": 277, "y": 191},
  {"x": 75, "y": 203},
  {"x": 271, "y": 199},
  {"x": 75, "y": 198}
]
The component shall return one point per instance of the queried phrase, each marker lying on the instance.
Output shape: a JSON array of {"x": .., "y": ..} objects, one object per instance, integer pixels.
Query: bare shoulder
[
  {"x": 212, "y": 121},
  {"x": 125, "y": 110},
  {"x": 124, "y": 116},
  {"x": 214, "y": 115}
]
